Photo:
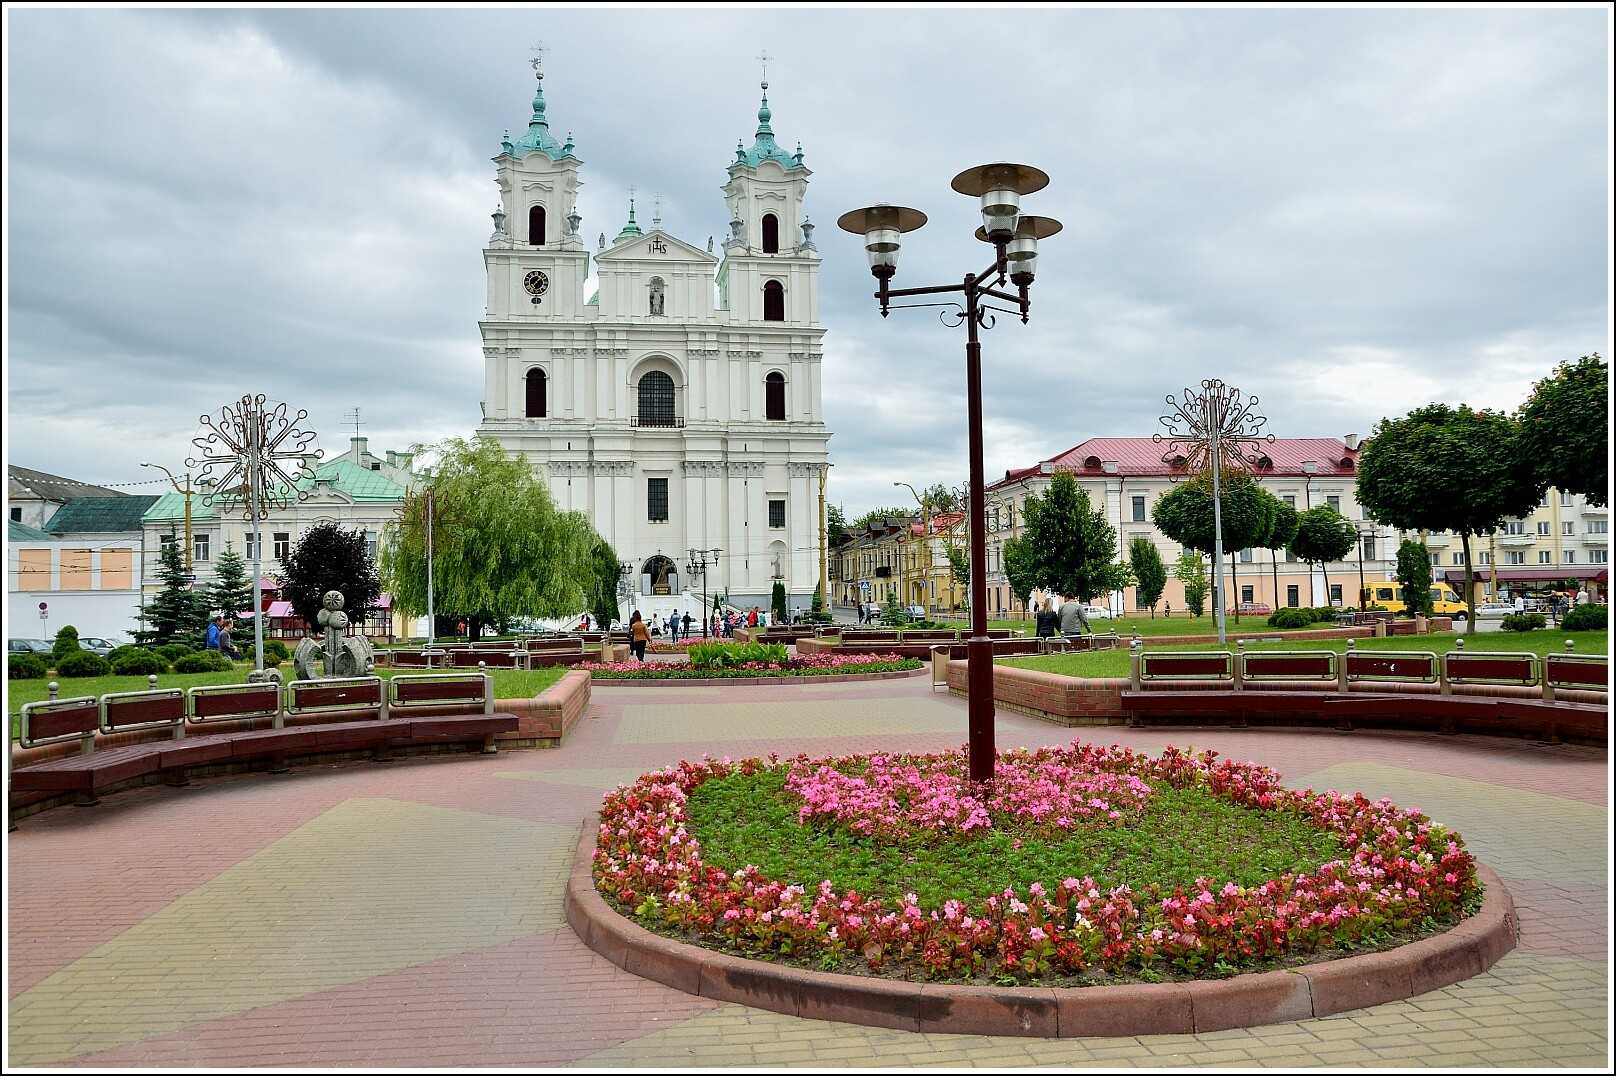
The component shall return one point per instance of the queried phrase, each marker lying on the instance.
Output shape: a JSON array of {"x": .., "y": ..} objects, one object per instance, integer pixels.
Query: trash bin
[{"x": 939, "y": 665}]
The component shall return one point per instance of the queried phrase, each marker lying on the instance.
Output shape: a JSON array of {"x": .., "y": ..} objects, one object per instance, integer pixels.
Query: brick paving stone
[{"x": 410, "y": 914}]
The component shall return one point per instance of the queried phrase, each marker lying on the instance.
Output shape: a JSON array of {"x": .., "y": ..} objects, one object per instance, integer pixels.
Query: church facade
[{"x": 679, "y": 404}]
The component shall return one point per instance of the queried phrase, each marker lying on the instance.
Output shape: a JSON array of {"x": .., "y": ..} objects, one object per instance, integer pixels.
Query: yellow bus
[{"x": 1445, "y": 601}]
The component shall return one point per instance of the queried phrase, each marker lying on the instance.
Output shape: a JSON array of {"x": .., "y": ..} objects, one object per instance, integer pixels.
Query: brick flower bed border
[
  {"x": 1310, "y": 990},
  {"x": 546, "y": 718},
  {"x": 747, "y": 681}
]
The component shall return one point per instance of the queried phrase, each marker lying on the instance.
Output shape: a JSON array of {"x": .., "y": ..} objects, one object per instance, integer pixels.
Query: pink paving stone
[{"x": 79, "y": 877}]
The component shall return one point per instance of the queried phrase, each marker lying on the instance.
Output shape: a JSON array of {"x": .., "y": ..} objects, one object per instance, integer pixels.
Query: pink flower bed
[
  {"x": 899, "y": 797},
  {"x": 1402, "y": 872}
]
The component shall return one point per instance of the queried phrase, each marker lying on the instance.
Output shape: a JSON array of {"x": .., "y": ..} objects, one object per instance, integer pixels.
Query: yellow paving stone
[{"x": 368, "y": 887}]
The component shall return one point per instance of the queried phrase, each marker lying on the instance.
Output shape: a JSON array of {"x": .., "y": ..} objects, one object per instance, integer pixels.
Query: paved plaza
[{"x": 410, "y": 912}]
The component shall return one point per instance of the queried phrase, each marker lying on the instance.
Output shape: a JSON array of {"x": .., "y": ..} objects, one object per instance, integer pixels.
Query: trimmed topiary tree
[
  {"x": 777, "y": 603},
  {"x": 1414, "y": 576},
  {"x": 136, "y": 661},
  {"x": 26, "y": 667},
  {"x": 67, "y": 642},
  {"x": 83, "y": 663}
]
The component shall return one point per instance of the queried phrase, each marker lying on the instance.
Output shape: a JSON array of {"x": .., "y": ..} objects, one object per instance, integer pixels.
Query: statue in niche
[{"x": 657, "y": 296}]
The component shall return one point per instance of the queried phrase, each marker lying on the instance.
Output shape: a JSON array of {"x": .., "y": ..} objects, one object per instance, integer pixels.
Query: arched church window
[
  {"x": 536, "y": 401},
  {"x": 656, "y": 399},
  {"x": 771, "y": 234},
  {"x": 774, "y": 393},
  {"x": 535, "y": 226},
  {"x": 657, "y": 296},
  {"x": 774, "y": 301}
]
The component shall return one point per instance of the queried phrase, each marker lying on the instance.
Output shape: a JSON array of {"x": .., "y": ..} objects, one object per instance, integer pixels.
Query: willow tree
[{"x": 501, "y": 548}]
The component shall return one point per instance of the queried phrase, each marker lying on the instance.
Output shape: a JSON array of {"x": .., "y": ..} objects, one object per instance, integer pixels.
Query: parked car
[
  {"x": 1445, "y": 601},
  {"x": 1252, "y": 609},
  {"x": 28, "y": 646},
  {"x": 1097, "y": 612},
  {"x": 1494, "y": 610},
  {"x": 916, "y": 612},
  {"x": 96, "y": 646}
]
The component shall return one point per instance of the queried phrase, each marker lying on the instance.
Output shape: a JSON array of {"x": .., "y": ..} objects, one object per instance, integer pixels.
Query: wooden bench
[
  {"x": 318, "y": 716},
  {"x": 493, "y": 659}
]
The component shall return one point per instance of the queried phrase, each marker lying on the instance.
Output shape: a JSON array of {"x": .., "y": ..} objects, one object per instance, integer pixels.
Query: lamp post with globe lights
[{"x": 1014, "y": 237}]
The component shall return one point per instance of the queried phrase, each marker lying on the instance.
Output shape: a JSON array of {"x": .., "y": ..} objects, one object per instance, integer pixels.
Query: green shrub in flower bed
[
  {"x": 201, "y": 662},
  {"x": 1585, "y": 617},
  {"x": 813, "y": 665},
  {"x": 732, "y": 655},
  {"x": 1074, "y": 866}
]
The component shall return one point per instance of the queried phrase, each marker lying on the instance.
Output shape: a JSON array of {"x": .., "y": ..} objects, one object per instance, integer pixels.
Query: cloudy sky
[{"x": 1346, "y": 212}]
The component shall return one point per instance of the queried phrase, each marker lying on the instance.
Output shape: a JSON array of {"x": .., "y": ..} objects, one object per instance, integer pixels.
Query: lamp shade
[{"x": 882, "y": 227}]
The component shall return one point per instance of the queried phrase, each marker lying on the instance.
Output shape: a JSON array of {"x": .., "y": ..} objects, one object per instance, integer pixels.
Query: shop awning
[{"x": 1546, "y": 574}]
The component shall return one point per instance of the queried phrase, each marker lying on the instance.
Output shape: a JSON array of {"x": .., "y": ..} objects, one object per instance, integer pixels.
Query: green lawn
[
  {"x": 1115, "y": 662},
  {"x": 508, "y": 684}
]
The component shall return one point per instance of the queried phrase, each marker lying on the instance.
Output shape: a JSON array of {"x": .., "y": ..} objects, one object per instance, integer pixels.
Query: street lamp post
[
  {"x": 700, "y": 559},
  {"x": 1014, "y": 237},
  {"x": 184, "y": 492}
]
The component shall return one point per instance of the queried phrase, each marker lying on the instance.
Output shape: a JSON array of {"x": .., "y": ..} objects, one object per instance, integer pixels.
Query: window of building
[
  {"x": 1545, "y": 557},
  {"x": 656, "y": 499},
  {"x": 1334, "y": 501},
  {"x": 370, "y": 544},
  {"x": 536, "y": 386},
  {"x": 1516, "y": 526},
  {"x": 1458, "y": 559},
  {"x": 1484, "y": 558},
  {"x": 1598, "y": 556},
  {"x": 1335, "y": 593},
  {"x": 1514, "y": 558},
  {"x": 1368, "y": 548},
  {"x": 1246, "y": 556},
  {"x": 283, "y": 544},
  {"x": 1290, "y": 499},
  {"x": 774, "y": 396},
  {"x": 1293, "y": 596},
  {"x": 1565, "y": 500},
  {"x": 1570, "y": 556},
  {"x": 16, "y": 514},
  {"x": 1568, "y": 528},
  {"x": 199, "y": 547},
  {"x": 774, "y": 301},
  {"x": 1543, "y": 527},
  {"x": 656, "y": 399},
  {"x": 1436, "y": 560},
  {"x": 777, "y": 513},
  {"x": 252, "y": 548},
  {"x": 535, "y": 226},
  {"x": 1139, "y": 510},
  {"x": 771, "y": 234},
  {"x": 1599, "y": 526},
  {"x": 1248, "y": 594}
]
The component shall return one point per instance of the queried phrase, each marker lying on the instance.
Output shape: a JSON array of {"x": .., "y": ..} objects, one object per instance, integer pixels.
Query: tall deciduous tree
[
  {"x": 232, "y": 591},
  {"x": 1447, "y": 468},
  {"x": 879, "y": 515},
  {"x": 1191, "y": 571},
  {"x": 1323, "y": 535},
  {"x": 940, "y": 498},
  {"x": 1282, "y": 520},
  {"x": 1149, "y": 573},
  {"x": 329, "y": 556},
  {"x": 1020, "y": 569},
  {"x": 1565, "y": 429},
  {"x": 501, "y": 547},
  {"x": 1414, "y": 576},
  {"x": 1184, "y": 514},
  {"x": 1073, "y": 547}
]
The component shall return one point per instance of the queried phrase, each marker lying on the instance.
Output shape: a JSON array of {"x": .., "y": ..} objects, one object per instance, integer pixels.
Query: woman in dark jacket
[{"x": 1048, "y": 620}]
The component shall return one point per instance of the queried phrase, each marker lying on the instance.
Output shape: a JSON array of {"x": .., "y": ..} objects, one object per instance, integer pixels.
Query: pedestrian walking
[
  {"x": 689, "y": 623},
  {"x": 1074, "y": 619},
  {"x": 673, "y": 627},
  {"x": 1048, "y": 620},
  {"x": 639, "y": 636},
  {"x": 213, "y": 633}
]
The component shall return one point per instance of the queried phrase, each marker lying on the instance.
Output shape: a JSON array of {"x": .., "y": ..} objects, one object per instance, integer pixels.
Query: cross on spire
[
  {"x": 656, "y": 212},
  {"x": 537, "y": 62},
  {"x": 763, "y": 59}
]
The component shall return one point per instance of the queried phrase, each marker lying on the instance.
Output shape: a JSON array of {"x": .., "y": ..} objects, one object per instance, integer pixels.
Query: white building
[
  {"x": 83, "y": 568},
  {"x": 679, "y": 405}
]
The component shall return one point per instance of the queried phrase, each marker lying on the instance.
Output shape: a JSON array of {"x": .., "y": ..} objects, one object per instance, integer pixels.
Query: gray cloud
[{"x": 1345, "y": 212}]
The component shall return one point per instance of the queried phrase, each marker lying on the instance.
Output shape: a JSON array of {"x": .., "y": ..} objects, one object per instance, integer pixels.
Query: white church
[{"x": 678, "y": 406}]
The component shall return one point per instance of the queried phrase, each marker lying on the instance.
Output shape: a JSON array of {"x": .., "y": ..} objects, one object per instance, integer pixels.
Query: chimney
[
  {"x": 356, "y": 449},
  {"x": 1351, "y": 441}
]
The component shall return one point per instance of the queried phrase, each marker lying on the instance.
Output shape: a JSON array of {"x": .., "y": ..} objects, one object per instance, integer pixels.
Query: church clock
[{"x": 536, "y": 284}]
